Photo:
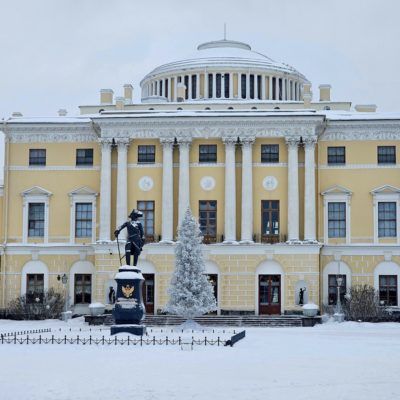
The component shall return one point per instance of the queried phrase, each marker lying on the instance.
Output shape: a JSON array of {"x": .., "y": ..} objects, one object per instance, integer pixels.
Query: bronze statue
[
  {"x": 301, "y": 296},
  {"x": 135, "y": 240},
  {"x": 111, "y": 295}
]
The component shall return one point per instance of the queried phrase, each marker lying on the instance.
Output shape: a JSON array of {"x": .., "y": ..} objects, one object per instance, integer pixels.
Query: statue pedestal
[{"x": 129, "y": 310}]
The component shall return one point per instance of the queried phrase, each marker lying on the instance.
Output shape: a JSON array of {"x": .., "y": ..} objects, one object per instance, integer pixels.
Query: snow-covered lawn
[{"x": 330, "y": 361}]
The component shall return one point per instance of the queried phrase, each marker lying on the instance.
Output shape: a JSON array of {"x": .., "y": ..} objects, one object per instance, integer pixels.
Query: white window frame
[
  {"x": 385, "y": 194},
  {"x": 82, "y": 195},
  {"x": 35, "y": 194},
  {"x": 337, "y": 194}
]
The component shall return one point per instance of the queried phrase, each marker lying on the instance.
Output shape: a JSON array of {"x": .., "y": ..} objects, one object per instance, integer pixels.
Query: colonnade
[
  {"x": 211, "y": 85},
  {"x": 230, "y": 143}
]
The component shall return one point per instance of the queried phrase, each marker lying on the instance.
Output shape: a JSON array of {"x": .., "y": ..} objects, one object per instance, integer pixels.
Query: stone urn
[{"x": 310, "y": 310}]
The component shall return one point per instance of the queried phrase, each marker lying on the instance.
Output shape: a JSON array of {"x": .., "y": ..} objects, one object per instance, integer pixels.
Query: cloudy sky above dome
[{"x": 59, "y": 54}]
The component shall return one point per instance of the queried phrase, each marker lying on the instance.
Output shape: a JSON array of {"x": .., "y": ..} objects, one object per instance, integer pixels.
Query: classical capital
[
  {"x": 105, "y": 143},
  {"x": 309, "y": 141},
  {"x": 167, "y": 142},
  {"x": 184, "y": 141},
  {"x": 292, "y": 141},
  {"x": 247, "y": 140},
  {"x": 229, "y": 140},
  {"x": 122, "y": 142}
]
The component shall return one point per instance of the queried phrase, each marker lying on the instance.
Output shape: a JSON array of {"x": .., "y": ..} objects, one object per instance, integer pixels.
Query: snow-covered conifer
[{"x": 191, "y": 294}]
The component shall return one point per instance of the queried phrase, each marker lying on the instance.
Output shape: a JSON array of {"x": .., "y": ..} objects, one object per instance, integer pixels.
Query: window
[
  {"x": 332, "y": 289},
  {"x": 36, "y": 220},
  {"x": 208, "y": 220},
  {"x": 388, "y": 290},
  {"x": 226, "y": 89},
  {"x": 243, "y": 85},
  {"x": 270, "y": 221},
  {"x": 210, "y": 86},
  {"x": 337, "y": 220},
  {"x": 387, "y": 219},
  {"x": 34, "y": 288},
  {"x": 147, "y": 208},
  {"x": 146, "y": 154},
  {"x": 259, "y": 87},
  {"x": 83, "y": 289},
  {"x": 84, "y": 157},
  {"x": 336, "y": 155},
  {"x": 83, "y": 220},
  {"x": 208, "y": 153},
  {"x": 194, "y": 86},
  {"x": 270, "y": 153},
  {"x": 187, "y": 87},
  {"x": 386, "y": 154},
  {"x": 37, "y": 157},
  {"x": 273, "y": 88},
  {"x": 218, "y": 79},
  {"x": 252, "y": 86}
]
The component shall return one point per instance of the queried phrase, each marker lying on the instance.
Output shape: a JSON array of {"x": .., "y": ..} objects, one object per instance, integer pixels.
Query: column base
[
  {"x": 294, "y": 241},
  {"x": 310, "y": 241},
  {"x": 166, "y": 242},
  {"x": 246, "y": 242},
  {"x": 230, "y": 242}
]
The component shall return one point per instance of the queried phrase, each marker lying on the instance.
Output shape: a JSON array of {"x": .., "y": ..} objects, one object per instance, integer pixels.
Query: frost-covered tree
[{"x": 191, "y": 293}]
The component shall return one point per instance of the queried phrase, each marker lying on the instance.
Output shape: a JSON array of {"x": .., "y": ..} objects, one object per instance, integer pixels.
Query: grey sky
[{"x": 59, "y": 53}]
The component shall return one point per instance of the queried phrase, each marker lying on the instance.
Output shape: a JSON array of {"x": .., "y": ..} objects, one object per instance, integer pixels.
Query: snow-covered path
[{"x": 332, "y": 361}]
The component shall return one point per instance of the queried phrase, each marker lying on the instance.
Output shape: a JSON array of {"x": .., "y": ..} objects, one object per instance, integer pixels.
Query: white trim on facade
[
  {"x": 387, "y": 268},
  {"x": 34, "y": 267}
]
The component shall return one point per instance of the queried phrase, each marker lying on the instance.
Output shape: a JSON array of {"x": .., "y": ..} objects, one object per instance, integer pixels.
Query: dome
[{"x": 224, "y": 69}]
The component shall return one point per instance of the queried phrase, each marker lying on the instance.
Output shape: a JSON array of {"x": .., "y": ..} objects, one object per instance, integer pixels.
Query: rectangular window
[
  {"x": 270, "y": 153},
  {"x": 147, "y": 208},
  {"x": 83, "y": 289},
  {"x": 332, "y": 289},
  {"x": 210, "y": 86},
  {"x": 34, "y": 288},
  {"x": 226, "y": 80},
  {"x": 336, "y": 155},
  {"x": 36, "y": 220},
  {"x": 387, "y": 219},
  {"x": 84, "y": 157},
  {"x": 218, "y": 79},
  {"x": 194, "y": 86},
  {"x": 252, "y": 86},
  {"x": 270, "y": 221},
  {"x": 386, "y": 154},
  {"x": 243, "y": 85},
  {"x": 208, "y": 220},
  {"x": 187, "y": 87},
  {"x": 207, "y": 153},
  {"x": 337, "y": 220},
  {"x": 37, "y": 157},
  {"x": 146, "y": 154},
  {"x": 388, "y": 290},
  {"x": 83, "y": 220}
]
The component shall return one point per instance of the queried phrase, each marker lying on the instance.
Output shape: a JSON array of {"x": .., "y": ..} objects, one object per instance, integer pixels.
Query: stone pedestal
[{"x": 129, "y": 310}]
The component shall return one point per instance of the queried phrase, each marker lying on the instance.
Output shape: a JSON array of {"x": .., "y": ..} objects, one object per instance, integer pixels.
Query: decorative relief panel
[
  {"x": 270, "y": 183},
  {"x": 207, "y": 183},
  {"x": 146, "y": 183}
]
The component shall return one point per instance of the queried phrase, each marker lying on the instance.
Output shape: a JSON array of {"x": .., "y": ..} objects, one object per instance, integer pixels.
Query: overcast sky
[{"x": 60, "y": 53}]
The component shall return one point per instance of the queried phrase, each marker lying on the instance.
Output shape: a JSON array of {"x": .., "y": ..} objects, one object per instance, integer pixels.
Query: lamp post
[
  {"x": 64, "y": 281},
  {"x": 339, "y": 316}
]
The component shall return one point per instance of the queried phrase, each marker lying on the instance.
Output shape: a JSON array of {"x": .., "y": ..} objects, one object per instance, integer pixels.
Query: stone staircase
[{"x": 223, "y": 320}]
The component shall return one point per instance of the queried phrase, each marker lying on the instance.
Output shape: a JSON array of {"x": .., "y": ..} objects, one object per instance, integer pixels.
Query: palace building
[{"x": 289, "y": 192}]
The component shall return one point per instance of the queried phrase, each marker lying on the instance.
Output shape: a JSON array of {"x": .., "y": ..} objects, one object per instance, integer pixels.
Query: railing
[{"x": 269, "y": 239}]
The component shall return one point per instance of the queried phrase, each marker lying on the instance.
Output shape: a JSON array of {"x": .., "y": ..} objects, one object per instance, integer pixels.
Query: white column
[
  {"x": 214, "y": 86},
  {"x": 263, "y": 87},
  {"x": 105, "y": 190},
  {"x": 293, "y": 189},
  {"x": 184, "y": 183},
  {"x": 248, "y": 85},
  {"x": 167, "y": 192},
  {"x": 239, "y": 85},
  {"x": 122, "y": 181},
  {"x": 309, "y": 189},
  {"x": 230, "y": 85},
  {"x": 175, "y": 88},
  {"x": 205, "y": 84},
  {"x": 197, "y": 86},
  {"x": 230, "y": 190},
  {"x": 247, "y": 190},
  {"x": 190, "y": 87},
  {"x": 169, "y": 89},
  {"x": 222, "y": 86},
  {"x": 283, "y": 89},
  {"x": 270, "y": 87},
  {"x": 256, "y": 87}
]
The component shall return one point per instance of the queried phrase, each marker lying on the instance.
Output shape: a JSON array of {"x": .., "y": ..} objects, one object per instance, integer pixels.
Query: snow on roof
[
  {"x": 356, "y": 116},
  {"x": 49, "y": 120}
]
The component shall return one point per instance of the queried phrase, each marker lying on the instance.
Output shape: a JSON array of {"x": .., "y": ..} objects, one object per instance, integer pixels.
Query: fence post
[
  {"x": 40, "y": 339},
  {"x": 166, "y": 340},
  {"x": 52, "y": 339},
  {"x": 218, "y": 341},
  {"x": 27, "y": 339},
  {"x": 141, "y": 341},
  {"x": 90, "y": 339}
]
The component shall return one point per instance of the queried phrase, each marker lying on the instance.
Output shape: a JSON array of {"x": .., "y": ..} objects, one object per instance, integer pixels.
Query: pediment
[
  {"x": 36, "y": 191},
  {"x": 83, "y": 191},
  {"x": 385, "y": 189},
  {"x": 337, "y": 189}
]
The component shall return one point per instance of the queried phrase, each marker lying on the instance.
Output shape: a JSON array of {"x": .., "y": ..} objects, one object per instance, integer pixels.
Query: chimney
[
  {"x": 181, "y": 91},
  {"x": 119, "y": 103},
  {"x": 128, "y": 93},
  {"x": 62, "y": 112},
  {"x": 324, "y": 92},
  {"x": 365, "y": 107},
  {"x": 106, "y": 96}
]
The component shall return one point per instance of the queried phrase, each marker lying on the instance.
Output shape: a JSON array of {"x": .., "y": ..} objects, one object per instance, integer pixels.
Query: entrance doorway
[
  {"x": 148, "y": 293},
  {"x": 269, "y": 294}
]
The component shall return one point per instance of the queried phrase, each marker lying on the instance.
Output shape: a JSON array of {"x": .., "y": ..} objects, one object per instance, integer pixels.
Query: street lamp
[
  {"x": 339, "y": 316},
  {"x": 64, "y": 281}
]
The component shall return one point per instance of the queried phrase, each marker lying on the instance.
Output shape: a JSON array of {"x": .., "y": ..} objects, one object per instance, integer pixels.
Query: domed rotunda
[{"x": 223, "y": 70}]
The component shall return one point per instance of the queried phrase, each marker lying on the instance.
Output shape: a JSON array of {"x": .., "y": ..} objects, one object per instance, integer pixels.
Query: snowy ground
[{"x": 332, "y": 361}]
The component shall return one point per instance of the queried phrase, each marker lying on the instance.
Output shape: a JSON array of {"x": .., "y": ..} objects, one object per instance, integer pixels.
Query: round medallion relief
[
  {"x": 270, "y": 183},
  {"x": 146, "y": 183},
  {"x": 207, "y": 183}
]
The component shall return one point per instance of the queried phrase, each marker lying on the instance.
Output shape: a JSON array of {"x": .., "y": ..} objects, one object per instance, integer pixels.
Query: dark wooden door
[
  {"x": 148, "y": 293},
  {"x": 269, "y": 294}
]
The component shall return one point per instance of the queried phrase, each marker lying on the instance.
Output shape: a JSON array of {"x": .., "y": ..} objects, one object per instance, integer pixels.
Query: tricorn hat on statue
[{"x": 135, "y": 214}]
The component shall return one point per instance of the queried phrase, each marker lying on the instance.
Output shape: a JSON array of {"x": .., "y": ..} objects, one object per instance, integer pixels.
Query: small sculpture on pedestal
[{"x": 301, "y": 296}]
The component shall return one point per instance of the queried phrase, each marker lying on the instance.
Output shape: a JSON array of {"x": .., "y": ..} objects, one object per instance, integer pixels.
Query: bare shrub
[
  {"x": 362, "y": 304},
  {"x": 48, "y": 305}
]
